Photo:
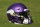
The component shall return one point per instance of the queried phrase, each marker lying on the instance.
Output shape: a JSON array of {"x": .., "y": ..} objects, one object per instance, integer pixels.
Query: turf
[{"x": 32, "y": 5}]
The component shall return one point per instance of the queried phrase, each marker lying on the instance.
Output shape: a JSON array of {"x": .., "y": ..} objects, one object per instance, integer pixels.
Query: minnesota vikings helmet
[{"x": 16, "y": 12}]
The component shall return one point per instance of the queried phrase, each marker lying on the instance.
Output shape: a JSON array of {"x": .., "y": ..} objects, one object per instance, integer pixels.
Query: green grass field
[{"x": 32, "y": 5}]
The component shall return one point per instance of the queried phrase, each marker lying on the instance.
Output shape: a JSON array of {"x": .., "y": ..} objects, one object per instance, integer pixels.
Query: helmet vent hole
[{"x": 18, "y": 9}]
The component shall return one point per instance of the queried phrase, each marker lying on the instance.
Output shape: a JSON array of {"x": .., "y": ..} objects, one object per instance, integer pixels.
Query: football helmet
[{"x": 16, "y": 12}]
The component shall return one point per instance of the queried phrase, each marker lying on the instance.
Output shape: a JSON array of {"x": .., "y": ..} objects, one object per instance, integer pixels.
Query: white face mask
[{"x": 25, "y": 21}]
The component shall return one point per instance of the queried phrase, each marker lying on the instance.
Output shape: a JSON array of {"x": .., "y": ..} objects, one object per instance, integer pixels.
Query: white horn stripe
[{"x": 25, "y": 9}]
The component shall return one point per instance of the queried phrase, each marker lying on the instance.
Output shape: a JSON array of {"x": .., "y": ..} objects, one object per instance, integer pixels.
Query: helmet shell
[{"x": 17, "y": 7}]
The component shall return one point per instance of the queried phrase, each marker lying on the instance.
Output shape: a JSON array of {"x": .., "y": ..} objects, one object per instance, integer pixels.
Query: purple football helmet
[{"x": 19, "y": 10}]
